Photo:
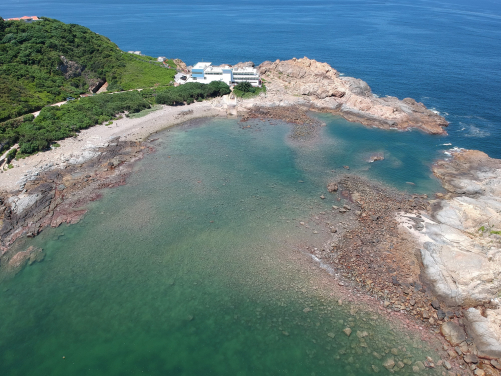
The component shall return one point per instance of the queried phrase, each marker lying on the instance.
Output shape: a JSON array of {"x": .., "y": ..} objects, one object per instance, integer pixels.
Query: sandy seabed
[{"x": 128, "y": 129}]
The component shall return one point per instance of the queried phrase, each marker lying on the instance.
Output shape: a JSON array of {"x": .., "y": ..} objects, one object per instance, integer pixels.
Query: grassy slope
[
  {"x": 138, "y": 74},
  {"x": 30, "y": 61}
]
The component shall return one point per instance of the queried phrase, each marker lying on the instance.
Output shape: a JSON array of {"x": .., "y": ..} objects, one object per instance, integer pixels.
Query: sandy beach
[{"x": 76, "y": 150}]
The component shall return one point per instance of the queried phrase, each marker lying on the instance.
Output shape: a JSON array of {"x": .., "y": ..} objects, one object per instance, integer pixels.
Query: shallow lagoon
[{"x": 196, "y": 266}]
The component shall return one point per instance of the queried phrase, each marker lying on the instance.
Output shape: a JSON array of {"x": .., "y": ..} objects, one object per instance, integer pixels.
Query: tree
[{"x": 245, "y": 87}]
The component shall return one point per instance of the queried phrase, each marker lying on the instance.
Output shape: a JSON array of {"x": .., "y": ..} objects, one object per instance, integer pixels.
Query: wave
[
  {"x": 437, "y": 112},
  {"x": 474, "y": 132}
]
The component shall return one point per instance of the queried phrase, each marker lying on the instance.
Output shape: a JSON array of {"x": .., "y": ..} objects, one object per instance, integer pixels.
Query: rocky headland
[
  {"x": 318, "y": 86},
  {"x": 434, "y": 258},
  {"x": 437, "y": 259}
]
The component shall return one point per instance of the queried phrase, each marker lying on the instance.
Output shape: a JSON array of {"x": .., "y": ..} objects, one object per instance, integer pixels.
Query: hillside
[{"x": 47, "y": 61}]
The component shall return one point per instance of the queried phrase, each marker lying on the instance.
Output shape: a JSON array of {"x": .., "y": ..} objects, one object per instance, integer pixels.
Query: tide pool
[{"x": 197, "y": 265}]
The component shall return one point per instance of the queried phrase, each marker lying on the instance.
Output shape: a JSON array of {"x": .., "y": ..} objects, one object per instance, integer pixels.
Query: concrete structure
[
  {"x": 205, "y": 73},
  {"x": 161, "y": 59},
  {"x": 25, "y": 19}
]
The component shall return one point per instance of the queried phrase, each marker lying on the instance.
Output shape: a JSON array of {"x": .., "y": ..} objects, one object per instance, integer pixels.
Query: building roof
[
  {"x": 202, "y": 65},
  {"x": 245, "y": 70},
  {"x": 33, "y": 18}
]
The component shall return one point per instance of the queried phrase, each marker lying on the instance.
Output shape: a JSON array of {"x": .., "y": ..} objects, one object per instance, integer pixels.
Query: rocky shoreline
[
  {"x": 61, "y": 195},
  {"x": 408, "y": 252},
  {"x": 435, "y": 260},
  {"x": 319, "y": 87}
]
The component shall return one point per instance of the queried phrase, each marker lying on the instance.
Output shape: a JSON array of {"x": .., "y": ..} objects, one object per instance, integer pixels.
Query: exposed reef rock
[
  {"x": 318, "y": 86},
  {"x": 57, "y": 196},
  {"x": 463, "y": 240},
  {"x": 460, "y": 244}
]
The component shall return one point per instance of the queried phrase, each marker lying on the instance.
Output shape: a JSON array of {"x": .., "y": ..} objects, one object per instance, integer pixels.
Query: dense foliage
[
  {"x": 47, "y": 61},
  {"x": 246, "y": 90},
  {"x": 55, "y": 123},
  {"x": 192, "y": 91}
]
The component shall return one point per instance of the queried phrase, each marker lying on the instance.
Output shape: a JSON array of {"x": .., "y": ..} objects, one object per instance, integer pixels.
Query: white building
[{"x": 206, "y": 73}]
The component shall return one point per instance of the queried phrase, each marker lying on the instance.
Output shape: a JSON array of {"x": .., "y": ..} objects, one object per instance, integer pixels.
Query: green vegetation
[
  {"x": 11, "y": 155},
  {"x": 492, "y": 232},
  {"x": 47, "y": 61},
  {"x": 144, "y": 112},
  {"x": 55, "y": 123},
  {"x": 191, "y": 92},
  {"x": 246, "y": 90},
  {"x": 138, "y": 74}
]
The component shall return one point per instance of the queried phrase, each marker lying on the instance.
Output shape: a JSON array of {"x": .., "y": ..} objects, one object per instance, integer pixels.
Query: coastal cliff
[{"x": 318, "y": 86}]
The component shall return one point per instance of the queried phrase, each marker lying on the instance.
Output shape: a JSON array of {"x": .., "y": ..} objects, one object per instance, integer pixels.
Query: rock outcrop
[
  {"x": 180, "y": 66},
  {"x": 461, "y": 244},
  {"x": 319, "y": 86},
  {"x": 55, "y": 196},
  {"x": 70, "y": 68}
]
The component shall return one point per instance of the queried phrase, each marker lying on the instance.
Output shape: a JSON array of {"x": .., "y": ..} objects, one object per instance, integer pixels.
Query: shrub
[
  {"x": 28, "y": 117},
  {"x": 245, "y": 87},
  {"x": 190, "y": 92},
  {"x": 11, "y": 155}
]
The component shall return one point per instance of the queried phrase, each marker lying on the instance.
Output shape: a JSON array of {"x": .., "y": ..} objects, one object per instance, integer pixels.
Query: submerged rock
[{"x": 389, "y": 363}]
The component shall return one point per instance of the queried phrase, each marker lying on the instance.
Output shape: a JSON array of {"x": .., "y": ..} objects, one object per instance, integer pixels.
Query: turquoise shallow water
[
  {"x": 444, "y": 53},
  {"x": 195, "y": 266}
]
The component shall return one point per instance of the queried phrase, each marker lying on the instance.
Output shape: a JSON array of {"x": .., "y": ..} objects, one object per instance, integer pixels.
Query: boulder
[
  {"x": 389, "y": 363},
  {"x": 471, "y": 358},
  {"x": 332, "y": 187},
  {"x": 485, "y": 331},
  {"x": 453, "y": 333}
]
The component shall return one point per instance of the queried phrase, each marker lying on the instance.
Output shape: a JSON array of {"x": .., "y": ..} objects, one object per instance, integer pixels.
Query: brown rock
[
  {"x": 471, "y": 358},
  {"x": 332, "y": 187},
  {"x": 488, "y": 369},
  {"x": 496, "y": 364},
  {"x": 453, "y": 333}
]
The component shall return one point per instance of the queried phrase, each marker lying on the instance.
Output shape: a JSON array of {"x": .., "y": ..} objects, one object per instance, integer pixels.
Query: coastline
[
  {"x": 75, "y": 151},
  {"x": 53, "y": 187}
]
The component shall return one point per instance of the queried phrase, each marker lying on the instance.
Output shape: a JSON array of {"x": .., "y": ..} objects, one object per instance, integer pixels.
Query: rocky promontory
[
  {"x": 460, "y": 244},
  {"x": 320, "y": 87}
]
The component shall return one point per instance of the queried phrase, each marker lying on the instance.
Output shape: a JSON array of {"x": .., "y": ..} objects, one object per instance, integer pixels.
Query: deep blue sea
[{"x": 444, "y": 53}]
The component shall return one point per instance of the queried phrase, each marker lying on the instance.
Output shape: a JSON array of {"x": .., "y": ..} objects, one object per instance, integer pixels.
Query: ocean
[
  {"x": 444, "y": 53},
  {"x": 198, "y": 265}
]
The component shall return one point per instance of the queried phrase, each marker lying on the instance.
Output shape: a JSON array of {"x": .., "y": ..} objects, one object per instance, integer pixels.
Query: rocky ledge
[
  {"x": 60, "y": 194},
  {"x": 460, "y": 244},
  {"x": 318, "y": 86},
  {"x": 436, "y": 259}
]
